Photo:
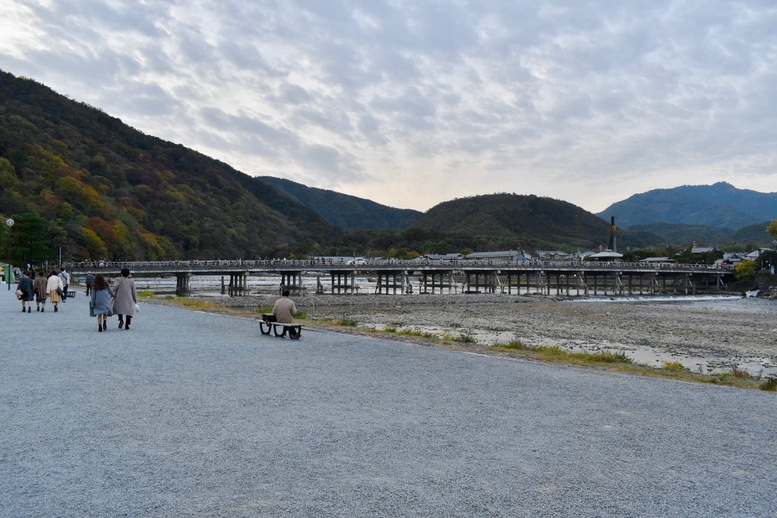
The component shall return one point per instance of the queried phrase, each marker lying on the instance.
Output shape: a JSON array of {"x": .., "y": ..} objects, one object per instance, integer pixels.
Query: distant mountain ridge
[
  {"x": 527, "y": 220},
  {"x": 344, "y": 211},
  {"x": 720, "y": 205}
]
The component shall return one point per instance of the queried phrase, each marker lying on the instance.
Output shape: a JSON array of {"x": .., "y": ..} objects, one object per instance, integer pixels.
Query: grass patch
[
  {"x": 345, "y": 322},
  {"x": 146, "y": 294},
  {"x": 770, "y": 385},
  {"x": 515, "y": 345},
  {"x": 555, "y": 353},
  {"x": 194, "y": 303},
  {"x": 675, "y": 366},
  {"x": 415, "y": 334},
  {"x": 463, "y": 338}
]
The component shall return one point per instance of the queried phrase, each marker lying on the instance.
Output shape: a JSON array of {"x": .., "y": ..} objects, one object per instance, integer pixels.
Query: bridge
[{"x": 578, "y": 278}]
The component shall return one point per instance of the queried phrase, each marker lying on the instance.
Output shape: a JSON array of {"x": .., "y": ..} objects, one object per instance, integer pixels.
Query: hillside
[
  {"x": 528, "y": 220},
  {"x": 344, "y": 211},
  {"x": 679, "y": 234},
  {"x": 720, "y": 206},
  {"x": 105, "y": 190}
]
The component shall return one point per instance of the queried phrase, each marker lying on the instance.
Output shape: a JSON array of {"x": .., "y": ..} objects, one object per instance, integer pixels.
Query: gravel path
[{"x": 195, "y": 414}]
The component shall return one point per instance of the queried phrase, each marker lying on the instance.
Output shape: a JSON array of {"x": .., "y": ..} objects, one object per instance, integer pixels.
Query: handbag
[
  {"x": 59, "y": 291},
  {"x": 19, "y": 294}
]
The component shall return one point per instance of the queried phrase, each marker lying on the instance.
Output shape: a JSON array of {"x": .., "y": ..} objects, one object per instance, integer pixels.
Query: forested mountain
[
  {"x": 344, "y": 211},
  {"x": 105, "y": 190},
  {"x": 679, "y": 234},
  {"x": 720, "y": 205},
  {"x": 531, "y": 221},
  {"x": 79, "y": 181}
]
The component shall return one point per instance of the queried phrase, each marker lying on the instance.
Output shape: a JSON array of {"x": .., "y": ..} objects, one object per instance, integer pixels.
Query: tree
[
  {"x": 28, "y": 240},
  {"x": 745, "y": 271},
  {"x": 772, "y": 229}
]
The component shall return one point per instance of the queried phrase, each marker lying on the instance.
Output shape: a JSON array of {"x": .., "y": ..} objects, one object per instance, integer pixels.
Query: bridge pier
[
  {"x": 488, "y": 283},
  {"x": 391, "y": 280},
  {"x": 437, "y": 279},
  {"x": 237, "y": 283},
  {"x": 292, "y": 281},
  {"x": 346, "y": 282},
  {"x": 182, "y": 284}
]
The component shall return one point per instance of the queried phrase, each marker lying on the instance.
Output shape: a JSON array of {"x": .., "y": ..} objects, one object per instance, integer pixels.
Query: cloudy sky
[{"x": 414, "y": 102}]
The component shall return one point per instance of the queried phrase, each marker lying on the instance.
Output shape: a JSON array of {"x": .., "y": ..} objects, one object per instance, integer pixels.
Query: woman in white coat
[{"x": 52, "y": 285}]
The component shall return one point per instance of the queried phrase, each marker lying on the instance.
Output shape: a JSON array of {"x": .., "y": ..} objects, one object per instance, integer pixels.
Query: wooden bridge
[{"x": 581, "y": 278}]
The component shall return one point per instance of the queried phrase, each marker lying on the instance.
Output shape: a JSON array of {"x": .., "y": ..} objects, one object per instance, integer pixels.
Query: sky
[{"x": 410, "y": 103}]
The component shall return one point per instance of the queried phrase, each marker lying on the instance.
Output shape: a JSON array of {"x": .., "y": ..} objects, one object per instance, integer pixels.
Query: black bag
[{"x": 59, "y": 292}]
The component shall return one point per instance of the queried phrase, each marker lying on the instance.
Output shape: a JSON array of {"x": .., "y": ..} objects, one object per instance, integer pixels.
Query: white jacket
[{"x": 53, "y": 283}]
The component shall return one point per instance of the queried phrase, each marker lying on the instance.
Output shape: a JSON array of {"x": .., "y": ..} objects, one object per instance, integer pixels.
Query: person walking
[
  {"x": 41, "y": 292},
  {"x": 100, "y": 303},
  {"x": 54, "y": 288},
  {"x": 27, "y": 287},
  {"x": 89, "y": 280},
  {"x": 284, "y": 311},
  {"x": 124, "y": 298},
  {"x": 65, "y": 283}
]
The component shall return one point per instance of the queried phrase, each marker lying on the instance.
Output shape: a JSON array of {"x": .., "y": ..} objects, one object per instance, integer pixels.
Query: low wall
[{"x": 767, "y": 283}]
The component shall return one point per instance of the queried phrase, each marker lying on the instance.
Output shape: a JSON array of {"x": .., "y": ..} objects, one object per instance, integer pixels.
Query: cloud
[{"x": 411, "y": 103}]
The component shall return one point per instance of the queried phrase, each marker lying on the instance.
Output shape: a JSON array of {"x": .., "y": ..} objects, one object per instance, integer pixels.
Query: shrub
[{"x": 769, "y": 385}]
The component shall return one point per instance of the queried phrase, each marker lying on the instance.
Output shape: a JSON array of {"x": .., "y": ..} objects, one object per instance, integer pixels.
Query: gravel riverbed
[{"x": 704, "y": 334}]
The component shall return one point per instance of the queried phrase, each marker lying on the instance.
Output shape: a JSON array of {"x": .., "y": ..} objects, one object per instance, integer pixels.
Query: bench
[{"x": 268, "y": 324}]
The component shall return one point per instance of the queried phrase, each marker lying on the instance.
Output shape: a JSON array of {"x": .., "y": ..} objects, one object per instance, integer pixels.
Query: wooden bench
[{"x": 268, "y": 324}]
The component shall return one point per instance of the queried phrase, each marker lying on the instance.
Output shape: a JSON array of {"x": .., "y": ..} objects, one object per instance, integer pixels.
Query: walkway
[{"x": 194, "y": 414}]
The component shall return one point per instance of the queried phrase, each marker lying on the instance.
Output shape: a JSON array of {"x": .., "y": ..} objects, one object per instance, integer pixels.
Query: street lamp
[{"x": 10, "y": 223}]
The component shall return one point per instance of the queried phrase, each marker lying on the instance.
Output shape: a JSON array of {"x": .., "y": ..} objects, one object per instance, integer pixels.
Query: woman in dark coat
[
  {"x": 27, "y": 287},
  {"x": 41, "y": 283},
  {"x": 100, "y": 304}
]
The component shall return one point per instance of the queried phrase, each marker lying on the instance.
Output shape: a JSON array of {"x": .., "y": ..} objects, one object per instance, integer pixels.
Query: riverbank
[{"x": 705, "y": 335}]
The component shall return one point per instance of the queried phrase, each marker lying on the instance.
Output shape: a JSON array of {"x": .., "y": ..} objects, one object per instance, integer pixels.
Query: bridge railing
[{"x": 384, "y": 264}]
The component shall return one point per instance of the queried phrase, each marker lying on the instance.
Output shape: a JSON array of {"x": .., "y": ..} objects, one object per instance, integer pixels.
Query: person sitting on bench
[{"x": 284, "y": 311}]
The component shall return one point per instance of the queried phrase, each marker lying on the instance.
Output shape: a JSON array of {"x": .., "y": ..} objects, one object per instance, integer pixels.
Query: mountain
[
  {"x": 528, "y": 220},
  {"x": 344, "y": 211},
  {"x": 683, "y": 235},
  {"x": 105, "y": 190},
  {"x": 720, "y": 205}
]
